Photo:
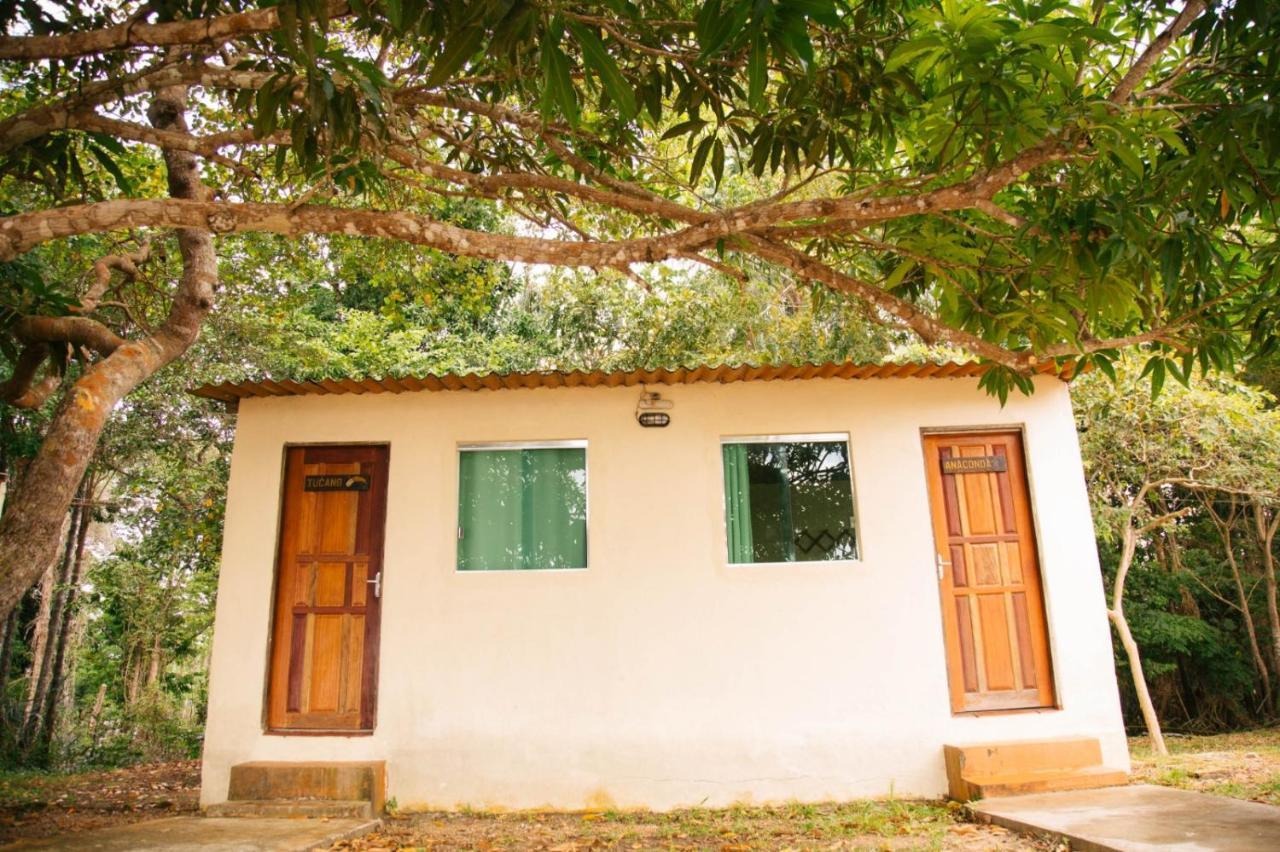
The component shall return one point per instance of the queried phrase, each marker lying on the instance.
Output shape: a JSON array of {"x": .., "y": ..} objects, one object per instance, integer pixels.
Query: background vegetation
[
  {"x": 1028, "y": 180},
  {"x": 137, "y": 624},
  {"x": 137, "y": 629}
]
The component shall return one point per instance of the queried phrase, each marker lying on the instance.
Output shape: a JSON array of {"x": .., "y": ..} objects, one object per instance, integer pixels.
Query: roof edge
[{"x": 232, "y": 392}]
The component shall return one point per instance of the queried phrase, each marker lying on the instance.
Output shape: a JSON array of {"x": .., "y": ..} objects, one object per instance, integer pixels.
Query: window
[
  {"x": 788, "y": 500},
  {"x": 522, "y": 507}
]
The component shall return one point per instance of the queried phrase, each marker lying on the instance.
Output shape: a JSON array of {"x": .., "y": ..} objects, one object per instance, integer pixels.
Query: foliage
[
  {"x": 408, "y": 186},
  {"x": 337, "y": 307},
  {"x": 337, "y": 320},
  {"x": 1209, "y": 441},
  {"x": 1131, "y": 175}
]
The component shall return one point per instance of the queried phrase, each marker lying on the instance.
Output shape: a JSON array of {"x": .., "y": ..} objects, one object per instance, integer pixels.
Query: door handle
[
  {"x": 376, "y": 582},
  {"x": 941, "y": 563}
]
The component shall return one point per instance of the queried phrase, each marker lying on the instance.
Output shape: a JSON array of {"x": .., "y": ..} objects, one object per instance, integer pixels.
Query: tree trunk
[
  {"x": 1251, "y": 630},
  {"x": 1116, "y": 613},
  {"x": 75, "y": 639},
  {"x": 49, "y": 712},
  {"x": 94, "y": 717},
  {"x": 1266, "y": 521},
  {"x": 60, "y": 590},
  {"x": 6, "y": 426},
  {"x": 133, "y": 678},
  {"x": 6, "y": 657},
  {"x": 39, "y": 638},
  {"x": 153, "y": 670},
  {"x": 1224, "y": 525},
  {"x": 29, "y": 529}
]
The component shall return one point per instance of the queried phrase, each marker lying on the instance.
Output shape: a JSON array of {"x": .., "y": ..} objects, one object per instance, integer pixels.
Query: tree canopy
[
  {"x": 1024, "y": 181},
  {"x": 1021, "y": 179}
]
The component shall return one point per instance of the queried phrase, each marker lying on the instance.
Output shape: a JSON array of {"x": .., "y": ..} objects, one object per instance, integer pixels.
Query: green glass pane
[
  {"x": 737, "y": 502},
  {"x": 797, "y": 498},
  {"x": 522, "y": 509}
]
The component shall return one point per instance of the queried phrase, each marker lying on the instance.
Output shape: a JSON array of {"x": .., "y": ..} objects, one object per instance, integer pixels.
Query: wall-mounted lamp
[{"x": 651, "y": 410}]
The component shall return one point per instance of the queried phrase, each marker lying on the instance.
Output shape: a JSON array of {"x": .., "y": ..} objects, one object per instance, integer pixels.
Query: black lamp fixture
[{"x": 651, "y": 410}]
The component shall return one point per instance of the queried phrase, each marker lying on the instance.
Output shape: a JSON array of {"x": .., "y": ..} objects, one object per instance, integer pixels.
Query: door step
[
  {"x": 286, "y": 789},
  {"x": 988, "y": 770},
  {"x": 293, "y": 809}
]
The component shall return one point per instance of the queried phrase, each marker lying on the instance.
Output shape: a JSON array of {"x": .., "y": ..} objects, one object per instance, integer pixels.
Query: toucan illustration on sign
[{"x": 337, "y": 482}]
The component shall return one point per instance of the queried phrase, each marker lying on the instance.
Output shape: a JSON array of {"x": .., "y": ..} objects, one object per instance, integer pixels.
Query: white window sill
[{"x": 813, "y": 563}]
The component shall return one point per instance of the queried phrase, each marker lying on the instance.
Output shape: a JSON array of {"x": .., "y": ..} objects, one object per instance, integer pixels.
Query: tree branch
[
  {"x": 1142, "y": 65},
  {"x": 21, "y": 389},
  {"x": 76, "y": 331},
  {"x": 928, "y": 328},
  {"x": 126, "y": 264},
  {"x": 132, "y": 34},
  {"x": 37, "y": 121}
]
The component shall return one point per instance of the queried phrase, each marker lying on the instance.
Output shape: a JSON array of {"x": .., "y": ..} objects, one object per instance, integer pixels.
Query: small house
[{"x": 657, "y": 588}]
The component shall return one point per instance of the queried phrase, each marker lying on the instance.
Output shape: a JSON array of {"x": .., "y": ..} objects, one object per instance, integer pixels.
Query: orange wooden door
[
  {"x": 324, "y": 653},
  {"x": 988, "y": 572}
]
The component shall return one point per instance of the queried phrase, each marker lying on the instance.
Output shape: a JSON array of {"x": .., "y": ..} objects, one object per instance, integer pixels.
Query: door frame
[
  {"x": 374, "y": 640},
  {"x": 1019, "y": 429}
]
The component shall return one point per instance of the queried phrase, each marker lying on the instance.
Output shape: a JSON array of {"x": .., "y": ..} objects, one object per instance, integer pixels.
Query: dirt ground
[
  {"x": 889, "y": 825},
  {"x": 1242, "y": 765},
  {"x": 45, "y": 805}
]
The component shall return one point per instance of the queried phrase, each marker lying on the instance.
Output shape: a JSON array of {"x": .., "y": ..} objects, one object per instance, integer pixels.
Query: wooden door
[
  {"x": 988, "y": 572},
  {"x": 324, "y": 653}
]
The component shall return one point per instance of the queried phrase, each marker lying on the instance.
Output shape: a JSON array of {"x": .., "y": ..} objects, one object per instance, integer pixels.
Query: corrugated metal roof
[{"x": 725, "y": 374}]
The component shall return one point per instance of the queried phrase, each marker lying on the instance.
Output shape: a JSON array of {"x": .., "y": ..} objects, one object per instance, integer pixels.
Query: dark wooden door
[
  {"x": 324, "y": 653},
  {"x": 988, "y": 572}
]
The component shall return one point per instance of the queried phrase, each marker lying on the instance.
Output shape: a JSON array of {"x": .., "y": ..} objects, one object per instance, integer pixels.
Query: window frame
[
  {"x": 792, "y": 438},
  {"x": 554, "y": 444}
]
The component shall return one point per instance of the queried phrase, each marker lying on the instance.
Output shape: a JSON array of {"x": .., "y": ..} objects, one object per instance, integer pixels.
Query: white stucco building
[{"x": 803, "y": 587}]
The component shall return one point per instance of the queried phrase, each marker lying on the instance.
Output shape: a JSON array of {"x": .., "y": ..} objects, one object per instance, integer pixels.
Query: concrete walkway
[
  {"x": 212, "y": 834},
  {"x": 1140, "y": 818}
]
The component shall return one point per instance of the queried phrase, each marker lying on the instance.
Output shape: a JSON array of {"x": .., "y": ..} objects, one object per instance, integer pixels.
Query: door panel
[
  {"x": 324, "y": 661},
  {"x": 989, "y": 572}
]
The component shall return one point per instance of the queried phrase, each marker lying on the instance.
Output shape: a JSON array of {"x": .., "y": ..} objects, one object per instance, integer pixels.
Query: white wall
[{"x": 660, "y": 676}]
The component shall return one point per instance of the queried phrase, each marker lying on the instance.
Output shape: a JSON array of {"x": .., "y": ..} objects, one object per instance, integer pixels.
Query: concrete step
[
  {"x": 293, "y": 809},
  {"x": 984, "y": 770},
  {"x": 1004, "y": 758},
  {"x": 992, "y": 787},
  {"x": 267, "y": 781}
]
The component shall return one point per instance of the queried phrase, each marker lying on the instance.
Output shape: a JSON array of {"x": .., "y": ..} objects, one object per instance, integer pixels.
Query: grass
[
  {"x": 1243, "y": 765},
  {"x": 19, "y": 787},
  {"x": 884, "y": 819},
  {"x": 870, "y": 824},
  {"x": 40, "y": 803}
]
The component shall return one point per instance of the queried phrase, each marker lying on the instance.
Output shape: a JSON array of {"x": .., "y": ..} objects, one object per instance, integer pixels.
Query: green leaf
[
  {"x": 1104, "y": 364},
  {"x": 599, "y": 60},
  {"x": 1046, "y": 33},
  {"x": 395, "y": 15},
  {"x": 108, "y": 162},
  {"x": 700, "y": 159},
  {"x": 821, "y": 11},
  {"x": 1128, "y": 158},
  {"x": 693, "y": 125},
  {"x": 757, "y": 72},
  {"x": 899, "y": 273},
  {"x": 1157, "y": 378},
  {"x": 716, "y": 25},
  {"x": 557, "y": 83},
  {"x": 795, "y": 36},
  {"x": 458, "y": 48},
  {"x": 717, "y": 162},
  {"x": 908, "y": 51}
]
